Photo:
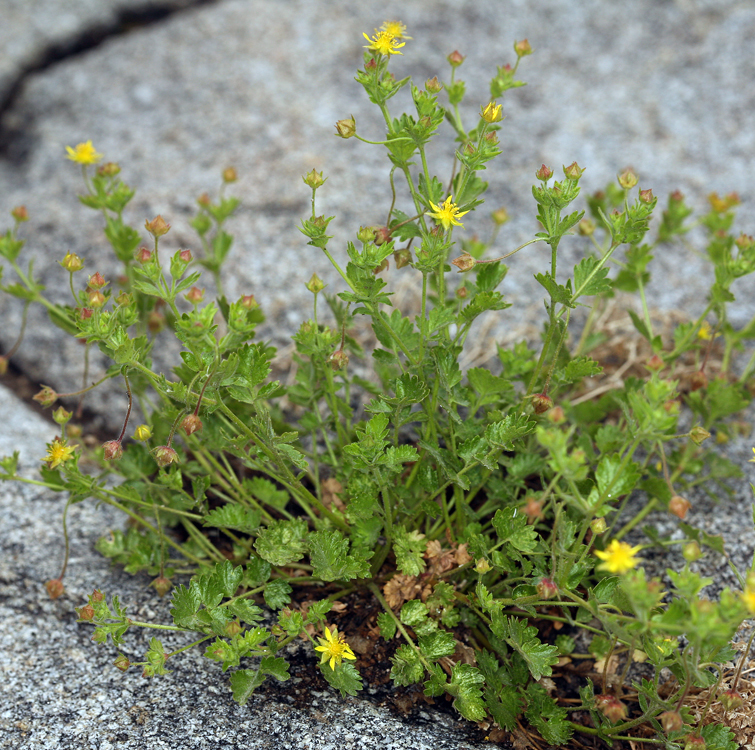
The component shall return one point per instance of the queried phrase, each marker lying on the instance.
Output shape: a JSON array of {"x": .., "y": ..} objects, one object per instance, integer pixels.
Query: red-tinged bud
[
  {"x": 671, "y": 721},
  {"x": 491, "y": 138},
  {"x": 744, "y": 241},
  {"x": 248, "y": 302},
  {"x": 232, "y": 628},
  {"x": 693, "y": 742},
  {"x": 162, "y": 585},
  {"x": 85, "y": 313},
  {"x": 698, "y": 380},
  {"x": 157, "y": 227},
  {"x": 122, "y": 663},
  {"x": 165, "y": 455},
  {"x": 3, "y": 365},
  {"x": 109, "y": 169},
  {"x": 455, "y": 59},
  {"x": 124, "y": 299},
  {"x": 500, "y": 216},
  {"x": 85, "y": 613},
  {"x": 96, "y": 299},
  {"x": 384, "y": 265},
  {"x": 671, "y": 406},
  {"x": 143, "y": 255},
  {"x": 533, "y": 509},
  {"x": 627, "y": 179},
  {"x": 204, "y": 200},
  {"x": 655, "y": 363},
  {"x": 112, "y": 450},
  {"x": 679, "y": 506},
  {"x": 97, "y": 281},
  {"x": 522, "y": 48},
  {"x": 464, "y": 262},
  {"x": 155, "y": 321},
  {"x": 382, "y": 235},
  {"x": 230, "y": 175},
  {"x": 314, "y": 179},
  {"x": 586, "y": 227},
  {"x": 646, "y": 196},
  {"x": 46, "y": 397},
  {"x": 402, "y": 257},
  {"x": 433, "y": 85},
  {"x": 370, "y": 65},
  {"x": 698, "y": 435},
  {"x": 556, "y": 415},
  {"x": 546, "y": 588},
  {"x": 611, "y": 707},
  {"x": 677, "y": 196},
  {"x": 470, "y": 148},
  {"x": 573, "y": 171},
  {"x": 541, "y": 403},
  {"x": 97, "y": 596},
  {"x": 691, "y": 551},
  {"x": 544, "y": 173},
  {"x": 19, "y": 213},
  {"x": 55, "y": 588},
  {"x": 731, "y": 700},
  {"x": 195, "y": 295},
  {"x": 339, "y": 360},
  {"x": 185, "y": 256},
  {"x": 462, "y": 292},
  {"x": 191, "y": 423},
  {"x": 346, "y": 128}
]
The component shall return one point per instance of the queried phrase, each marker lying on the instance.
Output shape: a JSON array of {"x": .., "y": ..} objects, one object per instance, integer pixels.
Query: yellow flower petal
[
  {"x": 447, "y": 214},
  {"x": 619, "y": 557},
  {"x": 84, "y": 153}
]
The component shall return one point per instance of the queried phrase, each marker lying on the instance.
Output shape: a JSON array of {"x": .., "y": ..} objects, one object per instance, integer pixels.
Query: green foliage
[{"x": 473, "y": 504}]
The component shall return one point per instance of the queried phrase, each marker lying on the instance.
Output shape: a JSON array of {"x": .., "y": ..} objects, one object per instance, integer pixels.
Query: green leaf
[
  {"x": 282, "y": 542},
  {"x": 246, "y": 611},
  {"x": 598, "y": 284},
  {"x": 513, "y": 530},
  {"x": 407, "y": 668},
  {"x": 266, "y": 492},
  {"x": 243, "y": 684},
  {"x": 232, "y": 516},
  {"x": 387, "y": 625},
  {"x": 558, "y": 293},
  {"x": 523, "y": 639},
  {"x": 409, "y": 548},
  {"x": 512, "y": 427},
  {"x": 277, "y": 594},
  {"x": 437, "y": 644},
  {"x": 719, "y": 737},
  {"x": 487, "y": 385},
  {"x": 577, "y": 369},
  {"x": 545, "y": 715},
  {"x": 345, "y": 678},
  {"x": 505, "y": 706},
  {"x": 275, "y": 666},
  {"x": 612, "y": 479},
  {"x": 329, "y": 555},
  {"x": 466, "y": 682},
  {"x": 714, "y": 541}
]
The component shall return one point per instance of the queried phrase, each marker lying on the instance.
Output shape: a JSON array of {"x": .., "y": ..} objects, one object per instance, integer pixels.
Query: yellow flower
[
  {"x": 447, "y": 213},
  {"x": 619, "y": 557},
  {"x": 492, "y": 112},
  {"x": 58, "y": 453},
  {"x": 706, "y": 332},
  {"x": 752, "y": 460},
  {"x": 84, "y": 153},
  {"x": 384, "y": 43},
  {"x": 748, "y": 598},
  {"x": 395, "y": 28},
  {"x": 334, "y": 648}
]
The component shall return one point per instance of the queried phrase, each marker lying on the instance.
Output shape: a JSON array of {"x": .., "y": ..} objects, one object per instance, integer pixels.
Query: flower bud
[
  {"x": 433, "y": 85},
  {"x": 346, "y": 128},
  {"x": 556, "y": 415},
  {"x": 204, "y": 200},
  {"x": 230, "y": 175},
  {"x": 314, "y": 179},
  {"x": 195, "y": 295},
  {"x": 455, "y": 59},
  {"x": 112, "y": 450},
  {"x": 142, "y": 433},
  {"x": 646, "y": 196},
  {"x": 185, "y": 256},
  {"x": 482, "y": 566},
  {"x": 19, "y": 213},
  {"x": 315, "y": 284},
  {"x": 611, "y": 707},
  {"x": 698, "y": 380},
  {"x": 232, "y": 628},
  {"x": 491, "y": 112},
  {"x": 698, "y": 435},
  {"x": 165, "y": 455},
  {"x": 72, "y": 263},
  {"x": 691, "y": 551},
  {"x": 155, "y": 321},
  {"x": 544, "y": 173},
  {"x": 382, "y": 235},
  {"x": 627, "y": 179},
  {"x": 55, "y": 588},
  {"x": 339, "y": 360},
  {"x": 61, "y": 416},
  {"x": 162, "y": 585},
  {"x": 85, "y": 613},
  {"x": 402, "y": 257},
  {"x": 679, "y": 506},
  {"x": 143, "y": 255},
  {"x": 191, "y": 423},
  {"x": 464, "y": 262},
  {"x": 109, "y": 169},
  {"x": 541, "y": 403},
  {"x": 97, "y": 281},
  {"x": 462, "y": 292},
  {"x": 248, "y": 302},
  {"x": 522, "y": 48},
  {"x": 122, "y": 663},
  {"x": 124, "y": 299},
  {"x": 85, "y": 313},
  {"x": 731, "y": 700},
  {"x": 97, "y": 596},
  {"x": 366, "y": 234},
  {"x": 157, "y": 227},
  {"x": 586, "y": 227},
  {"x": 573, "y": 171},
  {"x": 598, "y": 525},
  {"x": 533, "y": 509},
  {"x": 500, "y": 216},
  {"x": 693, "y": 742},
  {"x": 655, "y": 363},
  {"x": 671, "y": 721},
  {"x": 546, "y": 588},
  {"x": 46, "y": 397},
  {"x": 96, "y": 299}
]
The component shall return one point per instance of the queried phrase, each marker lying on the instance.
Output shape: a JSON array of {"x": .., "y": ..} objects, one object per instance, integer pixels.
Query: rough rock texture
[{"x": 663, "y": 87}]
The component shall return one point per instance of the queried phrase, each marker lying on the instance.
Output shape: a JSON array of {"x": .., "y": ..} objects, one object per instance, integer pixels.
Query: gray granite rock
[{"x": 663, "y": 87}]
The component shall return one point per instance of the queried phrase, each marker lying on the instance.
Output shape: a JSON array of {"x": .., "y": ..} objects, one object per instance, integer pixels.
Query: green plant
[{"x": 468, "y": 504}]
